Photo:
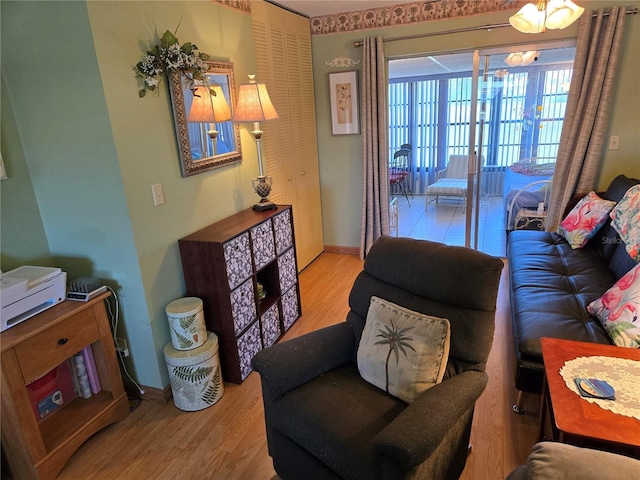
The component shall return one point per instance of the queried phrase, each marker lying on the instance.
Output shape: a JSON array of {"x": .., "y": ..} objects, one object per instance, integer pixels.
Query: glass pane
[{"x": 430, "y": 104}]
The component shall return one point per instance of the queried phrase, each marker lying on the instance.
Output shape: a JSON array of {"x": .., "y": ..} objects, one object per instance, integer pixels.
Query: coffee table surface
[{"x": 575, "y": 415}]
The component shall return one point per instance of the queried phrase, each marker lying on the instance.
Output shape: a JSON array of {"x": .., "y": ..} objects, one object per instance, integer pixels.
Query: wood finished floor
[{"x": 227, "y": 440}]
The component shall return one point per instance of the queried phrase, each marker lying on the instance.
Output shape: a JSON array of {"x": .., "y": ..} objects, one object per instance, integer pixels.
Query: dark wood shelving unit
[{"x": 222, "y": 265}]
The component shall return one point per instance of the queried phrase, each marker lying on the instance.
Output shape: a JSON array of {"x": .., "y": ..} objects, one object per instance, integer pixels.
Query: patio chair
[
  {"x": 399, "y": 167},
  {"x": 451, "y": 181}
]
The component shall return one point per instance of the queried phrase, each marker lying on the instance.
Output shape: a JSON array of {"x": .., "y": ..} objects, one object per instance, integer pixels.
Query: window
[{"x": 524, "y": 113}]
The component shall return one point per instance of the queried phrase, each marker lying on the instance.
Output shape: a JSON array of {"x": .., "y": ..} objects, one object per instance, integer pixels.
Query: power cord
[
  {"x": 115, "y": 318},
  {"x": 134, "y": 403}
]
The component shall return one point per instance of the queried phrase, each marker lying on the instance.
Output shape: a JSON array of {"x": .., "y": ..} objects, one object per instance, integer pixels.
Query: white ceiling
[
  {"x": 317, "y": 8},
  {"x": 462, "y": 62}
]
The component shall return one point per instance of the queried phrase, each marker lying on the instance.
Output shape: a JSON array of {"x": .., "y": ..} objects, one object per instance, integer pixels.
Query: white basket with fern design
[
  {"x": 196, "y": 379},
  {"x": 186, "y": 323}
]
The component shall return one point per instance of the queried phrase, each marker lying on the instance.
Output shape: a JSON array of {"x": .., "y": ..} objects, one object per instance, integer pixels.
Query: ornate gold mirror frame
[{"x": 199, "y": 152}]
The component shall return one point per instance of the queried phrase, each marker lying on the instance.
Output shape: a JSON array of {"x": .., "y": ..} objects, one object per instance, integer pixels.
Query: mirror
[{"x": 203, "y": 142}]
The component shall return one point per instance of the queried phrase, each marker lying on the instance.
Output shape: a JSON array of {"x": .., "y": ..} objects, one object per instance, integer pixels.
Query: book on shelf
[
  {"x": 92, "y": 371},
  {"x": 74, "y": 376}
]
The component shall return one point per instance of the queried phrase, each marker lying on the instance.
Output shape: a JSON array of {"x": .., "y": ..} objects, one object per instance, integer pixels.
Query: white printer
[{"x": 27, "y": 291}]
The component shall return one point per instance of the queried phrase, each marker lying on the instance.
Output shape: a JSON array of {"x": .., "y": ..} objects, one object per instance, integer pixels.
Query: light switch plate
[
  {"x": 614, "y": 142},
  {"x": 158, "y": 194}
]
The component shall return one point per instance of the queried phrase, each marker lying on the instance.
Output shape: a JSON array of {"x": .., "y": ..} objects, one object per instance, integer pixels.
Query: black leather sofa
[{"x": 551, "y": 286}]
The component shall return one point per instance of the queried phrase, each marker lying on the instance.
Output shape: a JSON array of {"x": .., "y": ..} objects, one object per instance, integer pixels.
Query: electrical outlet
[
  {"x": 158, "y": 194},
  {"x": 121, "y": 347}
]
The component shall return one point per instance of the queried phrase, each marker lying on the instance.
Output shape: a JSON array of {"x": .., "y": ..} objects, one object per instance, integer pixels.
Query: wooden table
[{"x": 568, "y": 418}]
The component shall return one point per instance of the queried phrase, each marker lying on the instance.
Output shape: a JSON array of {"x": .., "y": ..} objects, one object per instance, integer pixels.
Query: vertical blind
[{"x": 523, "y": 119}]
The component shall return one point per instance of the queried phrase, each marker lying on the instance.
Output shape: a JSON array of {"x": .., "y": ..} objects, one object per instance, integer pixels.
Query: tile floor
[{"x": 446, "y": 222}]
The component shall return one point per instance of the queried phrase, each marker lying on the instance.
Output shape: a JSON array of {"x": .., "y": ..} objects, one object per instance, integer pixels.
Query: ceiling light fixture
[
  {"x": 521, "y": 59},
  {"x": 546, "y": 14}
]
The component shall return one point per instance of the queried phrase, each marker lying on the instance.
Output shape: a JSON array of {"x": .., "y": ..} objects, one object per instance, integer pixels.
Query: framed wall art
[{"x": 343, "y": 92}]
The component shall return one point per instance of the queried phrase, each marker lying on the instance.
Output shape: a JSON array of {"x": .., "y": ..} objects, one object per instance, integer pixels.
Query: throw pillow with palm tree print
[{"x": 401, "y": 351}]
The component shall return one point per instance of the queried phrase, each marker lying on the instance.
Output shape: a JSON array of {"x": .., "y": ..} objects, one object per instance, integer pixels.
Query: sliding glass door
[{"x": 501, "y": 109}]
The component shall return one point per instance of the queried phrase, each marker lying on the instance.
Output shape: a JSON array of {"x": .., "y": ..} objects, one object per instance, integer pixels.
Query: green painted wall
[
  {"x": 52, "y": 76},
  {"x": 340, "y": 156},
  {"x": 94, "y": 148},
  {"x": 22, "y": 234},
  {"x": 145, "y": 142},
  {"x": 626, "y": 108}
]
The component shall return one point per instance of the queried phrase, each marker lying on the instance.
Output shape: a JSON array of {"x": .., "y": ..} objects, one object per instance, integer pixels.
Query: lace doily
[{"x": 622, "y": 374}]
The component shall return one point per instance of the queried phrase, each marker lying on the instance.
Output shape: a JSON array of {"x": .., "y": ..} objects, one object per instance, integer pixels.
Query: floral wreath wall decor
[{"x": 170, "y": 57}]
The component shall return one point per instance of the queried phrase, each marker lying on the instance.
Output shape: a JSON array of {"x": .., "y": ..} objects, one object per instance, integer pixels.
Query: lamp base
[
  {"x": 262, "y": 186},
  {"x": 268, "y": 205}
]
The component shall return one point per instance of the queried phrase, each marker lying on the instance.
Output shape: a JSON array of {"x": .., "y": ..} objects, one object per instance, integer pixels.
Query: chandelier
[
  {"x": 522, "y": 59},
  {"x": 546, "y": 14}
]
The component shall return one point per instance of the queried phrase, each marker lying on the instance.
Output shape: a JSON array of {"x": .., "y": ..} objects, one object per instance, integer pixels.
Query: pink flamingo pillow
[
  {"x": 618, "y": 310},
  {"x": 584, "y": 220},
  {"x": 625, "y": 219}
]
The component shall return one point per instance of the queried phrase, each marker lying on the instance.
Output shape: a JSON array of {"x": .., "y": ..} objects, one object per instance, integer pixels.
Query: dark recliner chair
[{"x": 324, "y": 421}]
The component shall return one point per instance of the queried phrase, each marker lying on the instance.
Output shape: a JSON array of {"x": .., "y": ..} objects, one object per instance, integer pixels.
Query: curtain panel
[
  {"x": 375, "y": 151},
  {"x": 586, "y": 121}
]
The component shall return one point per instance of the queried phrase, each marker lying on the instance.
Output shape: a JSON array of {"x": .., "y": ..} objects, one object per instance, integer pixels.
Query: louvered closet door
[
  {"x": 283, "y": 50},
  {"x": 307, "y": 175}
]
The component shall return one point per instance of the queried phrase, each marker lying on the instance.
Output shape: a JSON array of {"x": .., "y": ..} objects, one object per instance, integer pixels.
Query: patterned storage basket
[
  {"x": 196, "y": 380},
  {"x": 186, "y": 323}
]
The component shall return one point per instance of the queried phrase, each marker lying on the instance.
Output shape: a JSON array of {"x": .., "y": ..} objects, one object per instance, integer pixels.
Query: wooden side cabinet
[
  {"x": 244, "y": 270},
  {"x": 39, "y": 448}
]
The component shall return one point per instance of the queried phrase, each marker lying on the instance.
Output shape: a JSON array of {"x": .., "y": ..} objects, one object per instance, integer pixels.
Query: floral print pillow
[
  {"x": 625, "y": 219},
  {"x": 618, "y": 310},
  {"x": 585, "y": 219}
]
